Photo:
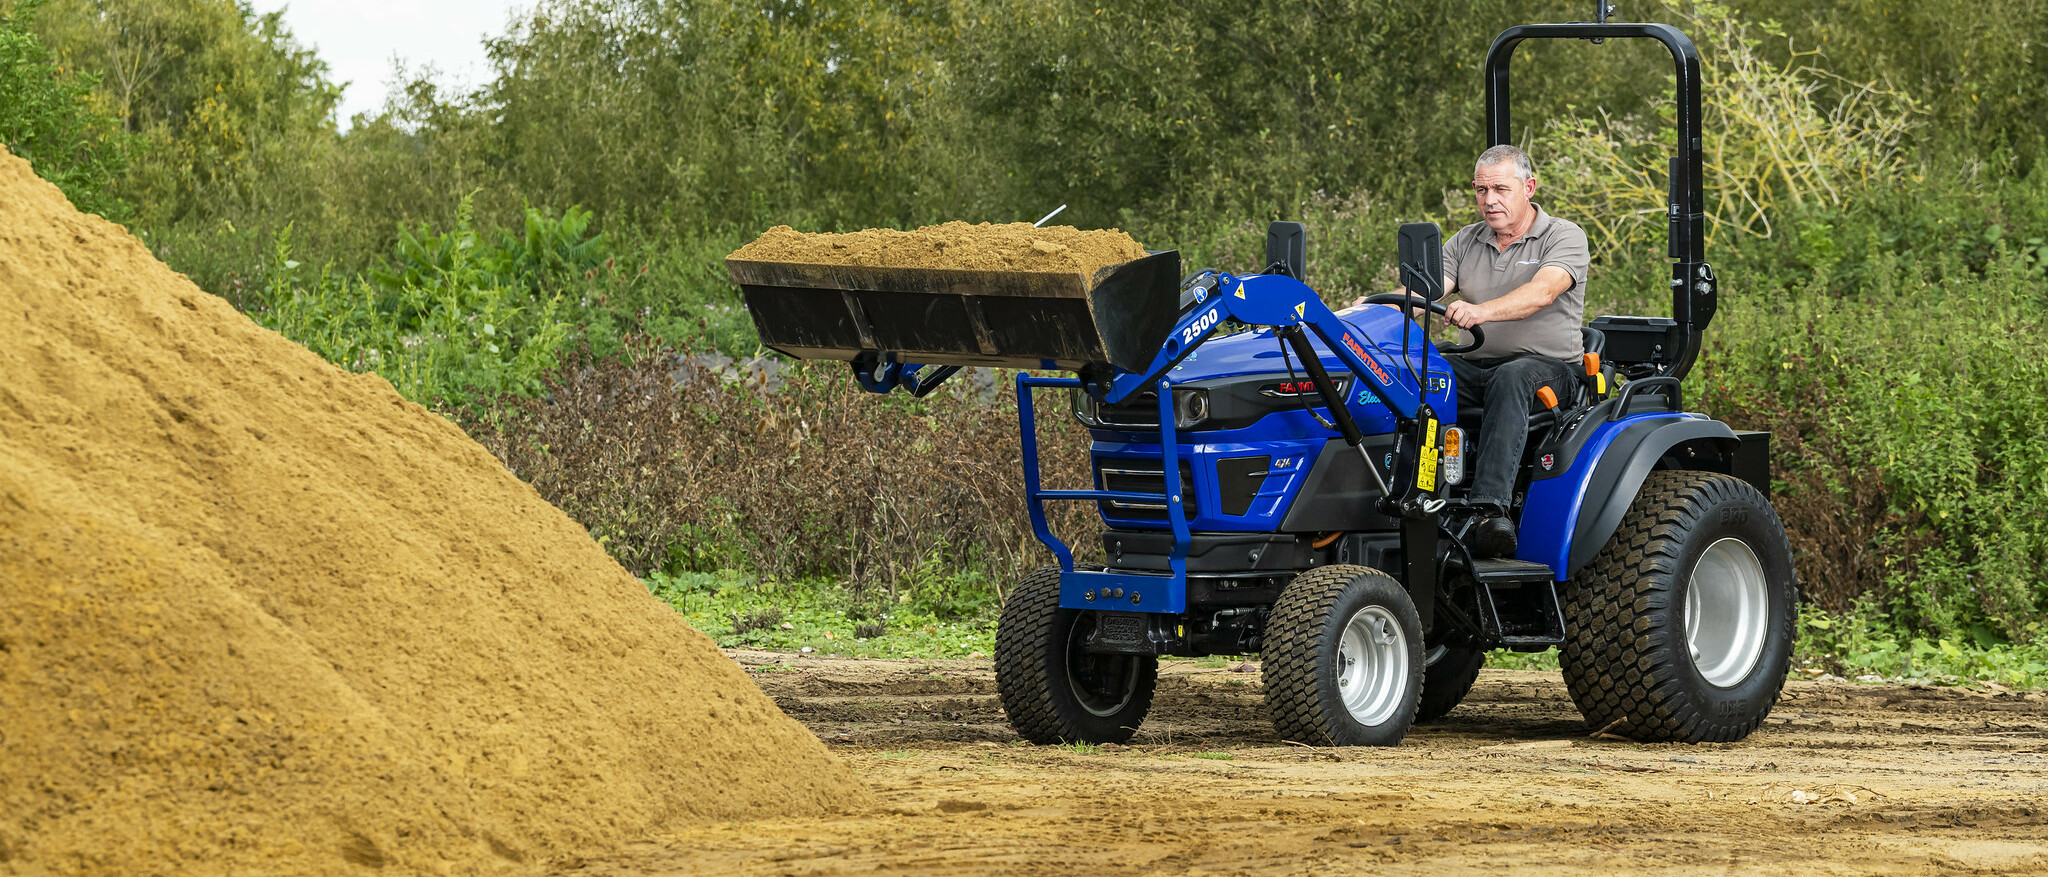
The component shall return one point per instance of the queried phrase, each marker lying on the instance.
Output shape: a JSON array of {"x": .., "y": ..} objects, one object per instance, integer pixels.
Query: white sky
[{"x": 359, "y": 40}]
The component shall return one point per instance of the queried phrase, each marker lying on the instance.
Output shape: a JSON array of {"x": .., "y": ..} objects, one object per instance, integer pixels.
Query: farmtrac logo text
[{"x": 1195, "y": 330}]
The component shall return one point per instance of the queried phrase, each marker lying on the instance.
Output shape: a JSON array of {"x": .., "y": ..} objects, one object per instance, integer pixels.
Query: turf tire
[
  {"x": 1627, "y": 659},
  {"x": 1301, "y": 657},
  {"x": 1447, "y": 680},
  {"x": 1035, "y": 663}
]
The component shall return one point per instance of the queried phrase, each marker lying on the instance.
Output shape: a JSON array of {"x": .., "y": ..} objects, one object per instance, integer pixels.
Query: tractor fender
[{"x": 1566, "y": 520}]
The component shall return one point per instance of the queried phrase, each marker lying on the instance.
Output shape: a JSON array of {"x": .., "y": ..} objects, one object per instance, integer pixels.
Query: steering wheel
[{"x": 1437, "y": 307}]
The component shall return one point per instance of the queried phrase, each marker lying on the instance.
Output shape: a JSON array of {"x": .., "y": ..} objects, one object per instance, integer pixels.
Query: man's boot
[{"x": 1493, "y": 535}]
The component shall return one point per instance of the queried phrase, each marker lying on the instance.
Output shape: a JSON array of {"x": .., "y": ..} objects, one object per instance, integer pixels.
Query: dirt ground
[{"x": 1843, "y": 778}]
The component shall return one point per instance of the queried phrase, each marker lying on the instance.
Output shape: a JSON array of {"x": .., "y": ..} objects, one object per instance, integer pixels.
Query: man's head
[{"x": 1503, "y": 182}]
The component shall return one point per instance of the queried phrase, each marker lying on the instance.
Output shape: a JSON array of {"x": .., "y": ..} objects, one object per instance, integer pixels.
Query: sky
[{"x": 360, "y": 38}]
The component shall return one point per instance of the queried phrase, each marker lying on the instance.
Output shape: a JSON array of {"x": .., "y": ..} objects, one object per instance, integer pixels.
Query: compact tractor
[{"x": 1294, "y": 490}]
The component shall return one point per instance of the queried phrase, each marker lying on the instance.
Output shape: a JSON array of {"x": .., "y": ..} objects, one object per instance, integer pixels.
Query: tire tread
[
  {"x": 1294, "y": 634},
  {"x": 1616, "y": 660}
]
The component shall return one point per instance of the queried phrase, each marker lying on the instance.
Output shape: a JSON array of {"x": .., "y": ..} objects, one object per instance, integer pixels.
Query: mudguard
[{"x": 1567, "y": 518}]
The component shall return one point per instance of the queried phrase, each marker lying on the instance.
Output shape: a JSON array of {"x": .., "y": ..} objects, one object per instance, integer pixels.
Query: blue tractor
[{"x": 1295, "y": 489}]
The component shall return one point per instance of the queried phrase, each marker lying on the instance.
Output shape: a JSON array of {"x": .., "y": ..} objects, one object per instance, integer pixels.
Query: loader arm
[{"x": 1282, "y": 303}]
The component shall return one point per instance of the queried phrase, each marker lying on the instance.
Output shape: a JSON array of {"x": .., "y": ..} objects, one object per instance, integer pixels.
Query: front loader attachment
[{"x": 936, "y": 316}]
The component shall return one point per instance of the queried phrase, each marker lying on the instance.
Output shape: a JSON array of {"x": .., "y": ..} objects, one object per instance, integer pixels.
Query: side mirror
[
  {"x": 1420, "y": 247},
  {"x": 1287, "y": 245}
]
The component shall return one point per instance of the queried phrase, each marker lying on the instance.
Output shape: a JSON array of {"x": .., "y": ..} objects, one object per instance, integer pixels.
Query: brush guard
[{"x": 1112, "y": 591}]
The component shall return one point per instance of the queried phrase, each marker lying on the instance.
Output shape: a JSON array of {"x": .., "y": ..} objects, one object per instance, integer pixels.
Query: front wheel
[
  {"x": 1681, "y": 629},
  {"x": 1343, "y": 659},
  {"x": 1052, "y": 690}
]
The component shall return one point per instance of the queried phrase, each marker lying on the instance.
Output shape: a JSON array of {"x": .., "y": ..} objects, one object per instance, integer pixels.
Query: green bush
[
  {"x": 1934, "y": 389},
  {"x": 455, "y": 316},
  {"x": 1863, "y": 643}
]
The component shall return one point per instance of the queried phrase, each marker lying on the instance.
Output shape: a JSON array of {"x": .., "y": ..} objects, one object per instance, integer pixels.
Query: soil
[
  {"x": 1010, "y": 247},
  {"x": 261, "y": 615},
  {"x": 1843, "y": 778}
]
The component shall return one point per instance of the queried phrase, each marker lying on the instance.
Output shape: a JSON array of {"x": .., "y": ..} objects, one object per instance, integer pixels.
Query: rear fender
[{"x": 1566, "y": 519}]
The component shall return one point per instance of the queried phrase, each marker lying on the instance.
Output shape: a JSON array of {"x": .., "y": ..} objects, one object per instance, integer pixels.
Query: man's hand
[{"x": 1465, "y": 315}]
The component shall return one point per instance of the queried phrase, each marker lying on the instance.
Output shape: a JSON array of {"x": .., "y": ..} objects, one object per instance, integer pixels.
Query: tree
[
  {"x": 235, "y": 112},
  {"x": 49, "y": 115}
]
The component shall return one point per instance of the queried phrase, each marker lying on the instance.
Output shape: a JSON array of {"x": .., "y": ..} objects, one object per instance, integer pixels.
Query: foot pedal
[{"x": 1518, "y": 605}]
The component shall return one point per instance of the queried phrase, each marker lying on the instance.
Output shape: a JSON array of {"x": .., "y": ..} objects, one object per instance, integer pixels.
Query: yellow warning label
[
  {"x": 1425, "y": 469},
  {"x": 1300, "y": 309}
]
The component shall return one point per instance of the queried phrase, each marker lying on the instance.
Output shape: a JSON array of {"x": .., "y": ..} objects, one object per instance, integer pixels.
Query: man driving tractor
[{"x": 1520, "y": 272}]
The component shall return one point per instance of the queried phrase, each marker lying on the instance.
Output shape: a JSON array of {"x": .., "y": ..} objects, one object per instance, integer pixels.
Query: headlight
[
  {"x": 1084, "y": 407},
  {"x": 1190, "y": 408}
]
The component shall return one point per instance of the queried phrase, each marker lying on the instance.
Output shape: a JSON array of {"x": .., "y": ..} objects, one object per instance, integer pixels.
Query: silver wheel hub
[
  {"x": 1372, "y": 666},
  {"x": 1727, "y": 613}
]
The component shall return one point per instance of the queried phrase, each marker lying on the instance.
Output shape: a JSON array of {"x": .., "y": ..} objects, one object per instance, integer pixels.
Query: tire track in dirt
[{"x": 1894, "y": 780}]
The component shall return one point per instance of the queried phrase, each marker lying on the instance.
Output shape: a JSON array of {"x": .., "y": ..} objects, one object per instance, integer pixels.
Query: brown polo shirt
[{"x": 1484, "y": 272}]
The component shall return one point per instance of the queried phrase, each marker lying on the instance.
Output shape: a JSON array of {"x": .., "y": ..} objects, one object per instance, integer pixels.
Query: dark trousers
[{"x": 1506, "y": 388}]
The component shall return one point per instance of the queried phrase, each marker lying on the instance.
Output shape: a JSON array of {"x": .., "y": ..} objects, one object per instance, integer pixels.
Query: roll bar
[{"x": 1693, "y": 286}]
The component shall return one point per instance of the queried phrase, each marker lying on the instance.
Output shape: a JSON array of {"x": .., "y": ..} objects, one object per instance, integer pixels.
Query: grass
[
  {"x": 829, "y": 618},
  {"x": 1502, "y": 659},
  {"x": 822, "y": 616}
]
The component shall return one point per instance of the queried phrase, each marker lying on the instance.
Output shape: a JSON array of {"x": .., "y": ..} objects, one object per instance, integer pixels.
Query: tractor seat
[{"x": 1595, "y": 342}]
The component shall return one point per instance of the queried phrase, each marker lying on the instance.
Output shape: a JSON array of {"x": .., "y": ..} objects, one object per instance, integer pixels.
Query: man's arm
[{"x": 1537, "y": 294}]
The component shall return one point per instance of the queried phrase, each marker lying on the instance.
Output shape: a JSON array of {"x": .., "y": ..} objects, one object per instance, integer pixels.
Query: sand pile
[
  {"x": 1015, "y": 246},
  {"x": 259, "y": 615}
]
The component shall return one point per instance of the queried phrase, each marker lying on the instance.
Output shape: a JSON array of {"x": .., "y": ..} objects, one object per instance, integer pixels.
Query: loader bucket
[{"x": 936, "y": 316}]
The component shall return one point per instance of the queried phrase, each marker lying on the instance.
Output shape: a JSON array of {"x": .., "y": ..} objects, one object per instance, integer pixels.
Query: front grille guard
[{"x": 1088, "y": 589}]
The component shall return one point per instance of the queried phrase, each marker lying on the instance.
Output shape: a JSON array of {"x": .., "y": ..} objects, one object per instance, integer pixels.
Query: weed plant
[
  {"x": 677, "y": 467},
  {"x": 454, "y": 316}
]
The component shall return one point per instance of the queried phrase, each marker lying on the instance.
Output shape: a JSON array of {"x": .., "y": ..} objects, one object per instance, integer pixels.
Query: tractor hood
[{"x": 1259, "y": 352}]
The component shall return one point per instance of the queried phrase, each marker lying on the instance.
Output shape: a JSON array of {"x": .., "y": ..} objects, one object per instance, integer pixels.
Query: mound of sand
[
  {"x": 1015, "y": 246},
  {"x": 260, "y": 615}
]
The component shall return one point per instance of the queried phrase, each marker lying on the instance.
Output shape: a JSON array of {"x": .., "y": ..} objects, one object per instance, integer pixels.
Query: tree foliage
[
  {"x": 231, "y": 107},
  {"x": 52, "y": 116}
]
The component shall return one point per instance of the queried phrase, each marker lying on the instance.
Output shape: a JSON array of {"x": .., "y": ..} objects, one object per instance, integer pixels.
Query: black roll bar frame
[{"x": 1693, "y": 286}]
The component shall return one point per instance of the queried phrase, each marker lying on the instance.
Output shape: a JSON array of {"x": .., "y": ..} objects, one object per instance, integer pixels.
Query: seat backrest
[{"x": 1594, "y": 339}]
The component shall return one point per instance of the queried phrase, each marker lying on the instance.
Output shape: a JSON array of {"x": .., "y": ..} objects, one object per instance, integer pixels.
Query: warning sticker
[{"x": 1425, "y": 470}]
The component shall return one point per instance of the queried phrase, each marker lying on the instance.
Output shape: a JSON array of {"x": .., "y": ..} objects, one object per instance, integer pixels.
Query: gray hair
[{"x": 1505, "y": 153}]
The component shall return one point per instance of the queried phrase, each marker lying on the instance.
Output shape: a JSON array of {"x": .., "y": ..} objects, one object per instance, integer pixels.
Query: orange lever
[
  {"x": 1592, "y": 363},
  {"x": 1546, "y": 396}
]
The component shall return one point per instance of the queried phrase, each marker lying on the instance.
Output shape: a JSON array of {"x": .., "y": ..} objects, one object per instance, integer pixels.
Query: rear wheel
[
  {"x": 1447, "y": 679},
  {"x": 1052, "y": 691},
  {"x": 1681, "y": 629},
  {"x": 1343, "y": 659}
]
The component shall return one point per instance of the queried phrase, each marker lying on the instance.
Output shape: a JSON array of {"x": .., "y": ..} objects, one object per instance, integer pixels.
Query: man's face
[{"x": 1503, "y": 196}]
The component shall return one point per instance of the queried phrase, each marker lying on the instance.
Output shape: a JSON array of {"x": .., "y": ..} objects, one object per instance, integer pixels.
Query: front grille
[{"x": 1141, "y": 475}]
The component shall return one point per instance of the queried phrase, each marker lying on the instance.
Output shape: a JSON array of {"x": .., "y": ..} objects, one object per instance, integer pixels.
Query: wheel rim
[
  {"x": 1727, "y": 612},
  {"x": 1372, "y": 665},
  {"x": 1102, "y": 684}
]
